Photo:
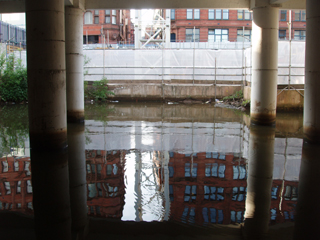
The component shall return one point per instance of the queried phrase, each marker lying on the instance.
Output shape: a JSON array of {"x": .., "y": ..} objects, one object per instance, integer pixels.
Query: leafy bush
[
  {"x": 237, "y": 95},
  {"x": 98, "y": 90},
  {"x": 13, "y": 79}
]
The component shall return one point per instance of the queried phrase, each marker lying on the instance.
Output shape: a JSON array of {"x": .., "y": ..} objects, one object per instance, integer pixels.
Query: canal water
[{"x": 190, "y": 166}]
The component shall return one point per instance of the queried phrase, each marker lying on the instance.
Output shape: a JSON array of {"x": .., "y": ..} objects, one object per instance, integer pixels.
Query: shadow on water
[{"x": 166, "y": 171}]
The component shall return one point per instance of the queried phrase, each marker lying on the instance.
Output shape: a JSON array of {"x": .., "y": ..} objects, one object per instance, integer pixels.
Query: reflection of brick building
[
  {"x": 105, "y": 183},
  {"x": 211, "y": 188},
  {"x": 15, "y": 184}
]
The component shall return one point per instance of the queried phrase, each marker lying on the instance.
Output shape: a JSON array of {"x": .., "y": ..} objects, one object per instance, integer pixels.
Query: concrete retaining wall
[
  {"x": 171, "y": 91},
  {"x": 286, "y": 100}
]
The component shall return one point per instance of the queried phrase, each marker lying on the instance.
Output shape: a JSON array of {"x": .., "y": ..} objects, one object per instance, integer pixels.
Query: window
[
  {"x": 218, "y": 14},
  {"x": 212, "y": 155},
  {"x": 218, "y": 35},
  {"x": 5, "y": 166},
  {"x": 282, "y": 34},
  {"x": 171, "y": 171},
  {"x": 291, "y": 193},
  {"x": 88, "y": 18},
  {"x": 26, "y": 168},
  {"x": 96, "y": 19},
  {"x": 211, "y": 14},
  {"x": 190, "y": 170},
  {"x": 192, "y": 35},
  {"x": 274, "y": 191},
  {"x": 299, "y": 35},
  {"x": 114, "y": 16},
  {"x": 225, "y": 14},
  {"x": 190, "y": 193},
  {"x": 215, "y": 170},
  {"x": 299, "y": 16},
  {"x": 244, "y": 15},
  {"x": 213, "y": 193},
  {"x": 29, "y": 186},
  {"x": 7, "y": 187},
  {"x": 107, "y": 18},
  {"x": 283, "y": 15},
  {"x": 246, "y": 37},
  {"x": 239, "y": 172},
  {"x": 188, "y": 216},
  {"x": 189, "y": 14},
  {"x": 211, "y": 215},
  {"x": 196, "y": 14},
  {"x": 16, "y": 166},
  {"x": 19, "y": 187},
  {"x": 237, "y": 217},
  {"x": 96, "y": 12},
  {"x": 239, "y": 194},
  {"x": 173, "y": 14}
]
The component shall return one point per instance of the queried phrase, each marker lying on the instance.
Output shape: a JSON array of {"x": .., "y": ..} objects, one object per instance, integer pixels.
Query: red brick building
[
  {"x": 114, "y": 24},
  {"x": 218, "y": 25}
]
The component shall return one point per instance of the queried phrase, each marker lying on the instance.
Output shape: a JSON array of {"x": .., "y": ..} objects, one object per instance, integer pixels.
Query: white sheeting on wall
[{"x": 170, "y": 64}]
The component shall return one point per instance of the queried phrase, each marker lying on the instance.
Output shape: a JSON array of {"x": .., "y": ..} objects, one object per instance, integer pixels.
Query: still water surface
[{"x": 192, "y": 164}]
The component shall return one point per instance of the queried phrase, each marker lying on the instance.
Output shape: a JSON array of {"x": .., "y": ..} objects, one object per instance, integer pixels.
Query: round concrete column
[
  {"x": 259, "y": 182},
  {"x": 74, "y": 64},
  {"x": 46, "y": 74},
  {"x": 77, "y": 177},
  {"x": 312, "y": 74},
  {"x": 47, "y": 118},
  {"x": 265, "y": 31}
]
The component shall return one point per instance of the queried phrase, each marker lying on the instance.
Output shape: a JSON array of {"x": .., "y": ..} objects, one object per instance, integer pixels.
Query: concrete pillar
[
  {"x": 265, "y": 30},
  {"x": 137, "y": 29},
  {"x": 47, "y": 118},
  {"x": 77, "y": 178},
  {"x": 74, "y": 64},
  {"x": 312, "y": 74},
  {"x": 307, "y": 219},
  {"x": 259, "y": 182},
  {"x": 168, "y": 28}
]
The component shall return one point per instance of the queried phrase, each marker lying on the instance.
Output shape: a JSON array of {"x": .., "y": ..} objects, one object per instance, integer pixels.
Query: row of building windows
[
  {"x": 7, "y": 187},
  {"x": 96, "y": 168},
  {"x": 223, "y": 14},
  {"x": 16, "y": 164},
  {"x": 222, "y": 35},
  {"x": 213, "y": 215},
  {"x": 110, "y": 17},
  {"x": 7, "y": 206},
  {"x": 95, "y": 190},
  {"x": 211, "y": 170}
]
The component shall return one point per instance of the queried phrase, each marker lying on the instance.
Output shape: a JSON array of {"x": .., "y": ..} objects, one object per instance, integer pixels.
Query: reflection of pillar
[
  {"x": 47, "y": 118},
  {"x": 51, "y": 201},
  {"x": 264, "y": 64},
  {"x": 137, "y": 187},
  {"x": 166, "y": 185},
  {"x": 77, "y": 176},
  {"x": 307, "y": 220},
  {"x": 74, "y": 64},
  {"x": 312, "y": 72},
  {"x": 259, "y": 182}
]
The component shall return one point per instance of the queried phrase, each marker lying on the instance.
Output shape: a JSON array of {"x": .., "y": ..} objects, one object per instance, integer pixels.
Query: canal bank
[{"x": 288, "y": 99}]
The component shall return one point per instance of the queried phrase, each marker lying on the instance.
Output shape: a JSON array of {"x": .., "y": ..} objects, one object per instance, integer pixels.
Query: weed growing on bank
[
  {"x": 98, "y": 90},
  {"x": 13, "y": 79}
]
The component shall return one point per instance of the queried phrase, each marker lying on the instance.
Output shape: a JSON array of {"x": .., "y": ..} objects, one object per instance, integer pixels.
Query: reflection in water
[
  {"x": 259, "y": 182},
  {"x": 193, "y": 165},
  {"x": 308, "y": 208}
]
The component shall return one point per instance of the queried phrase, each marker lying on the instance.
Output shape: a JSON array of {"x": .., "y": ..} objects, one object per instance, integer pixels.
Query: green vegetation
[
  {"x": 13, "y": 79},
  {"x": 98, "y": 90},
  {"x": 237, "y": 95},
  {"x": 246, "y": 103},
  {"x": 14, "y": 129}
]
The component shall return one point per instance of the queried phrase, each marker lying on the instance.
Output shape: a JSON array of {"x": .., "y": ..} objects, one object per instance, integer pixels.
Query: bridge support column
[
  {"x": 259, "y": 181},
  {"x": 265, "y": 32},
  {"x": 74, "y": 64},
  {"x": 47, "y": 118},
  {"x": 312, "y": 74}
]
